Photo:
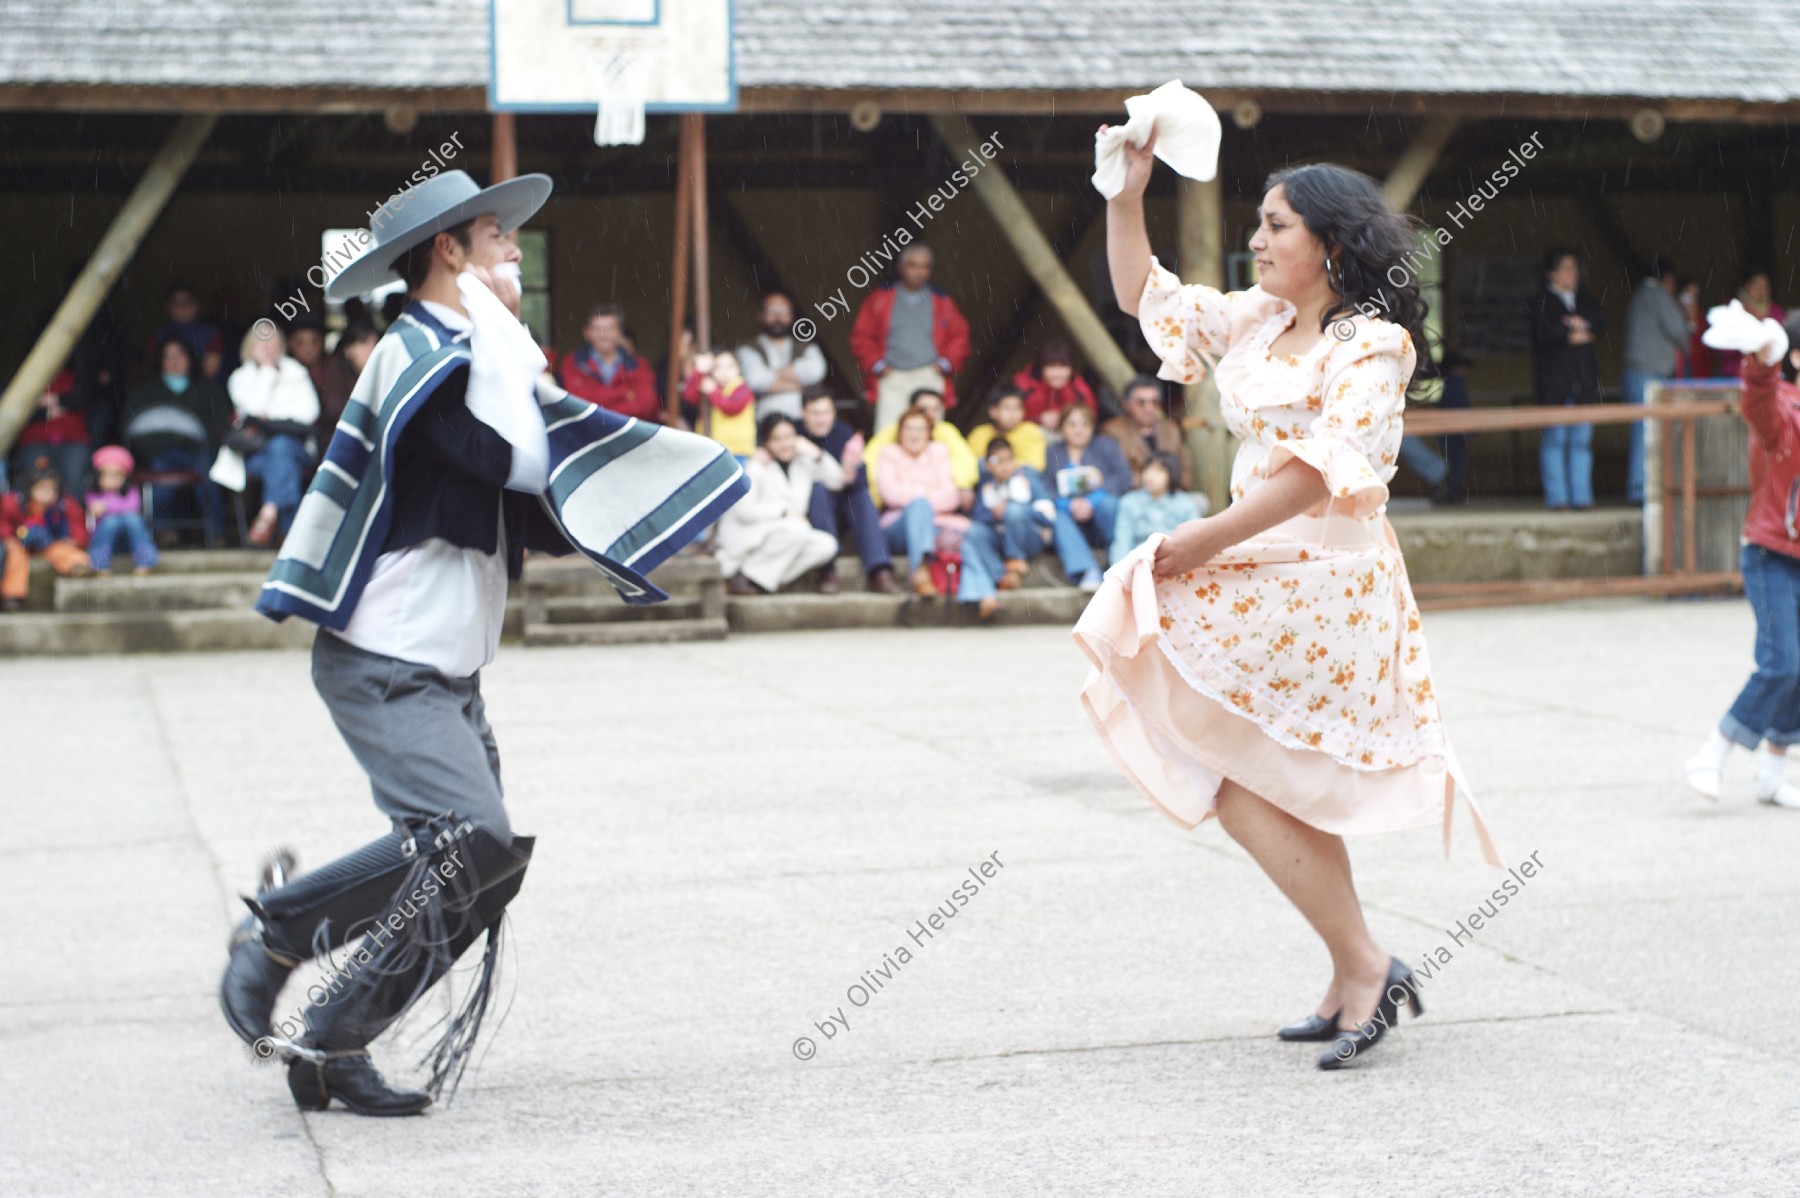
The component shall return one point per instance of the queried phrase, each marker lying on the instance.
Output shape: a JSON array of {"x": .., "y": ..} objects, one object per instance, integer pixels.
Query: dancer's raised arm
[{"x": 1127, "y": 238}]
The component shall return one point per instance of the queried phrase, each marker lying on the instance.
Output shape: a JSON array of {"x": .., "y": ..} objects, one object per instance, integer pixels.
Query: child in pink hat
[{"x": 116, "y": 511}]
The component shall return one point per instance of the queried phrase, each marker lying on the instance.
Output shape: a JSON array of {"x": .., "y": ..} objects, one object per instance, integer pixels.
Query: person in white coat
[
  {"x": 766, "y": 540},
  {"x": 276, "y": 407}
]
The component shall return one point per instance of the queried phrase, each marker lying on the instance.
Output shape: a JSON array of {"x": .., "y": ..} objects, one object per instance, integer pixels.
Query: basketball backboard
[{"x": 577, "y": 55}]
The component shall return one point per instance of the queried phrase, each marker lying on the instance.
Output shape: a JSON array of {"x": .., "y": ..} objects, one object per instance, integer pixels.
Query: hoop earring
[{"x": 1331, "y": 278}]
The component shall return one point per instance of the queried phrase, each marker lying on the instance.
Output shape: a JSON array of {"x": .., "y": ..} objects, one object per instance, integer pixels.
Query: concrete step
[
  {"x": 208, "y": 561},
  {"x": 1495, "y": 544},
  {"x": 596, "y": 608},
  {"x": 789, "y": 612},
  {"x": 158, "y": 592},
  {"x": 628, "y": 632},
  {"x": 66, "y": 635}
]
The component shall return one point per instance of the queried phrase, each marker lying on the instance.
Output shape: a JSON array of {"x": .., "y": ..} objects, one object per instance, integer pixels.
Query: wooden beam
[
  {"x": 504, "y": 157},
  {"x": 693, "y": 130},
  {"x": 1402, "y": 185},
  {"x": 1200, "y": 251},
  {"x": 115, "y": 251},
  {"x": 1037, "y": 255},
  {"x": 678, "y": 279}
]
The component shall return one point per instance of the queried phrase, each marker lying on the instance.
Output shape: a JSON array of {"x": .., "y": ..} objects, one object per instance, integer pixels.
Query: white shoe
[
  {"x": 1091, "y": 581},
  {"x": 1784, "y": 795},
  {"x": 1703, "y": 777}
]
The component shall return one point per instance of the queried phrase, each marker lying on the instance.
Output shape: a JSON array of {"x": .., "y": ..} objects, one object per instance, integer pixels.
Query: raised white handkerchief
[{"x": 1187, "y": 136}]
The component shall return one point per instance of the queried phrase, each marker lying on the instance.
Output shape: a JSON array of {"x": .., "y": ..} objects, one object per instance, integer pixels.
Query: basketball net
[{"x": 619, "y": 67}]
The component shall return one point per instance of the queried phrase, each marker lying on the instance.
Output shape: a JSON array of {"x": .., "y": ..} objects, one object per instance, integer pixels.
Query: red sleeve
[
  {"x": 9, "y": 515},
  {"x": 690, "y": 387},
  {"x": 735, "y": 400},
  {"x": 1759, "y": 386},
  {"x": 955, "y": 343},
  {"x": 868, "y": 339},
  {"x": 575, "y": 382},
  {"x": 640, "y": 400}
]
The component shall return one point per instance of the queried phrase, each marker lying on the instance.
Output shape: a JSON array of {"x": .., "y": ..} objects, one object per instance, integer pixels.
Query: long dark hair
[{"x": 1344, "y": 209}]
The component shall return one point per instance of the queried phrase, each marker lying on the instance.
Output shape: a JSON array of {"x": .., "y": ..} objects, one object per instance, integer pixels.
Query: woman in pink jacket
[{"x": 921, "y": 503}]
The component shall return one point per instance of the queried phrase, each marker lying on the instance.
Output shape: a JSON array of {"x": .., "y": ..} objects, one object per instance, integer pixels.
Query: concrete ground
[{"x": 733, "y": 834}]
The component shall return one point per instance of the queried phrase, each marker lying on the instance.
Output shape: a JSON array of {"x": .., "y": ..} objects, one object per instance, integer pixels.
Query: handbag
[{"x": 247, "y": 439}]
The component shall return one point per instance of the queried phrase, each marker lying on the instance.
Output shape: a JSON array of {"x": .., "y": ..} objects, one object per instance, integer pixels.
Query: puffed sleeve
[
  {"x": 1187, "y": 323},
  {"x": 1355, "y": 440}
]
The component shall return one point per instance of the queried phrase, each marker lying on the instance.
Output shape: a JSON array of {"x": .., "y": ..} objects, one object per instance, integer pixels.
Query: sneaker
[
  {"x": 1785, "y": 794},
  {"x": 1703, "y": 777},
  {"x": 1091, "y": 581}
]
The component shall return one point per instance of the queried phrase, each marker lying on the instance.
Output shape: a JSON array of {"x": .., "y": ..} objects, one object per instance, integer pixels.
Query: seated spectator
[
  {"x": 923, "y": 505},
  {"x": 333, "y": 375},
  {"x": 205, "y": 343},
  {"x": 777, "y": 367},
  {"x": 115, "y": 508},
  {"x": 41, "y": 521},
  {"x": 1089, "y": 474},
  {"x": 1051, "y": 387},
  {"x": 1154, "y": 506},
  {"x": 1145, "y": 429},
  {"x": 1018, "y": 506},
  {"x": 765, "y": 539},
  {"x": 175, "y": 421},
  {"x": 1006, "y": 418},
  {"x": 607, "y": 374},
  {"x": 724, "y": 405},
  {"x": 56, "y": 430},
  {"x": 269, "y": 437},
  {"x": 847, "y": 503},
  {"x": 965, "y": 467}
]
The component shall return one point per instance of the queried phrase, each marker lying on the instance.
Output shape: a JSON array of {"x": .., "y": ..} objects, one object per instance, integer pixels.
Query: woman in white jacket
[
  {"x": 765, "y": 539},
  {"x": 276, "y": 409}
]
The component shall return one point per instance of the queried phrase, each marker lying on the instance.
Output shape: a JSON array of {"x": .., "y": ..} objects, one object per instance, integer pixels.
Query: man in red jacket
[
  {"x": 1766, "y": 715},
  {"x": 605, "y": 373},
  {"x": 909, "y": 335}
]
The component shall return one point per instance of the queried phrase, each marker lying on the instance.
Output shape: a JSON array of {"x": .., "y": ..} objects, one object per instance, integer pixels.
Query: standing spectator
[
  {"x": 1144, "y": 429},
  {"x": 965, "y": 467},
  {"x": 1565, "y": 318},
  {"x": 39, "y": 520},
  {"x": 765, "y": 539},
  {"x": 342, "y": 369},
  {"x": 206, "y": 345},
  {"x": 607, "y": 374},
  {"x": 1766, "y": 713},
  {"x": 1051, "y": 386},
  {"x": 1154, "y": 507},
  {"x": 276, "y": 411},
  {"x": 909, "y": 335},
  {"x": 724, "y": 405},
  {"x": 1090, "y": 474},
  {"x": 116, "y": 510},
  {"x": 847, "y": 504},
  {"x": 777, "y": 367},
  {"x": 1697, "y": 359},
  {"x": 1006, "y": 418},
  {"x": 175, "y": 421},
  {"x": 923, "y": 512},
  {"x": 57, "y": 431},
  {"x": 1754, "y": 295},
  {"x": 1657, "y": 333},
  {"x": 1016, "y": 504}
]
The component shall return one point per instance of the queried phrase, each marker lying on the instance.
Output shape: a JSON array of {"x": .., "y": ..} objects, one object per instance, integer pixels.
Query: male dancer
[{"x": 454, "y": 454}]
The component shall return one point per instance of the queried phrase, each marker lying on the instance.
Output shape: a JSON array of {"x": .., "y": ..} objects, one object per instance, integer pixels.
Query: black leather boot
[
  {"x": 350, "y": 1077},
  {"x": 254, "y": 973}
]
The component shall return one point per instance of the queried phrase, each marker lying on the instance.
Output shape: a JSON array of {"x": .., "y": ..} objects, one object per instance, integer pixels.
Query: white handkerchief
[
  {"x": 1187, "y": 136},
  {"x": 503, "y": 370}
]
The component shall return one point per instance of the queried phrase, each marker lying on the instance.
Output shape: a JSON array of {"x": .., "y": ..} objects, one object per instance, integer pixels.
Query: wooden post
[
  {"x": 693, "y": 130},
  {"x": 1402, "y": 185},
  {"x": 684, "y": 189},
  {"x": 504, "y": 162},
  {"x": 1036, "y": 253},
  {"x": 115, "y": 250},
  {"x": 1200, "y": 245}
]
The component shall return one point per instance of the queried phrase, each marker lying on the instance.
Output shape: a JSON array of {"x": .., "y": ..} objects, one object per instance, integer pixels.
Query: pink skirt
[{"x": 1293, "y": 664}]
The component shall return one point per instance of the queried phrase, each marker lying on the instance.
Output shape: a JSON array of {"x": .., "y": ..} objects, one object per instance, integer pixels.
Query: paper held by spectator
[{"x": 1187, "y": 136}]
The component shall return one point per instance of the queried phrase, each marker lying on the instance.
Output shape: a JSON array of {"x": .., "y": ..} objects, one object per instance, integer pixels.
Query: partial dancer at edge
[
  {"x": 1266, "y": 664},
  {"x": 454, "y": 455}
]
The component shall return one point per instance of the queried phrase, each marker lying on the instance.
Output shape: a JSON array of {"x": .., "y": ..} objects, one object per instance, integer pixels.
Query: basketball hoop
[{"x": 620, "y": 64}]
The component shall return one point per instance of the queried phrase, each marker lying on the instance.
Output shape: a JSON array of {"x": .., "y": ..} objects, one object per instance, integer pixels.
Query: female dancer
[{"x": 1290, "y": 694}]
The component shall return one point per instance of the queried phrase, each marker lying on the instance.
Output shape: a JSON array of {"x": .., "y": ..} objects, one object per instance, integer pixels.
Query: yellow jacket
[
  {"x": 1027, "y": 440},
  {"x": 965, "y": 467}
]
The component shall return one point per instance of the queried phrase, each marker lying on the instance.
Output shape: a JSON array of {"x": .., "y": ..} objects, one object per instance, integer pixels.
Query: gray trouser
[{"x": 422, "y": 738}]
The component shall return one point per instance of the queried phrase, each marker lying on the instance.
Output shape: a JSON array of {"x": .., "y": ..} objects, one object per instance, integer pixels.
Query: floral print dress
[{"x": 1295, "y": 662}]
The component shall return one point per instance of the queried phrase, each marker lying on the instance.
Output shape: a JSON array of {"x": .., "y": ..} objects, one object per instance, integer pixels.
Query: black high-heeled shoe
[
  {"x": 1346, "y": 1046},
  {"x": 1313, "y": 1027}
]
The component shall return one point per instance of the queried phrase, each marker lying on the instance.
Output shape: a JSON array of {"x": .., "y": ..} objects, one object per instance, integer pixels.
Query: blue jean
[
  {"x": 914, "y": 533},
  {"x": 131, "y": 527},
  {"x": 1098, "y": 528},
  {"x": 982, "y": 563},
  {"x": 1566, "y": 460},
  {"x": 282, "y": 467},
  {"x": 829, "y": 511},
  {"x": 1418, "y": 456},
  {"x": 195, "y": 458},
  {"x": 1632, "y": 384},
  {"x": 1768, "y": 708}
]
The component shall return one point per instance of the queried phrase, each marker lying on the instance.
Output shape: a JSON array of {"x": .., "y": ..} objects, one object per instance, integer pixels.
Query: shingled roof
[{"x": 1734, "y": 50}]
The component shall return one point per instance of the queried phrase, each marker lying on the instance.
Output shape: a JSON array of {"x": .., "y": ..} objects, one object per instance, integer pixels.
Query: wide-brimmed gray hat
[{"x": 422, "y": 212}]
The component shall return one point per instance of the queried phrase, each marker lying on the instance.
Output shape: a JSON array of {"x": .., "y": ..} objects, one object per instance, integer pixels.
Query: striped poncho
[{"x": 626, "y": 493}]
